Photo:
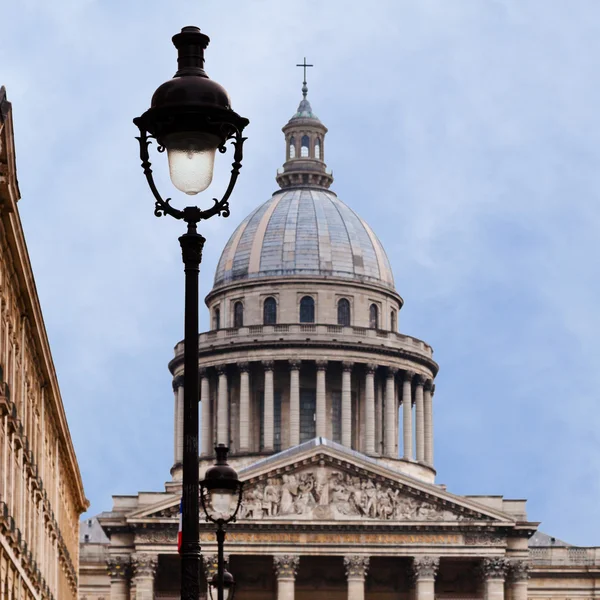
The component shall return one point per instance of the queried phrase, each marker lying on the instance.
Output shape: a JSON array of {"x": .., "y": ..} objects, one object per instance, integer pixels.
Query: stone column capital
[
  {"x": 494, "y": 567},
  {"x": 425, "y": 567},
  {"x": 408, "y": 375},
  {"x": 432, "y": 389},
  {"x": 177, "y": 382},
  {"x": 347, "y": 366},
  {"x": 286, "y": 565},
  {"x": 118, "y": 567},
  {"x": 221, "y": 369},
  {"x": 210, "y": 564},
  {"x": 294, "y": 364},
  {"x": 321, "y": 365},
  {"x": 243, "y": 366},
  {"x": 420, "y": 380},
  {"x": 370, "y": 368},
  {"x": 144, "y": 564},
  {"x": 202, "y": 372},
  {"x": 391, "y": 372},
  {"x": 518, "y": 570},
  {"x": 428, "y": 385},
  {"x": 356, "y": 566},
  {"x": 268, "y": 365}
]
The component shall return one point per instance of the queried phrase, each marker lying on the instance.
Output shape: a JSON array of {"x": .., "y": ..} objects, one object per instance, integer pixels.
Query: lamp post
[
  {"x": 221, "y": 496},
  {"x": 190, "y": 117}
]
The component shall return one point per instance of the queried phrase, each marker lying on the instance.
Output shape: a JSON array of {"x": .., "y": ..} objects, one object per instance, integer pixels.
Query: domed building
[{"x": 328, "y": 413}]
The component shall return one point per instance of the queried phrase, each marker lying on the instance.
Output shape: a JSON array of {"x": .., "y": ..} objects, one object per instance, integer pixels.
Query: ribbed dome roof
[{"x": 304, "y": 232}]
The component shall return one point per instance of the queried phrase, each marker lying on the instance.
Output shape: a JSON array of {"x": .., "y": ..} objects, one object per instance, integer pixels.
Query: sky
[{"x": 465, "y": 132}]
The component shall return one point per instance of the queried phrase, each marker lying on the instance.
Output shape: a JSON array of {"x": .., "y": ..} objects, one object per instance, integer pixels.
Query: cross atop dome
[{"x": 304, "y": 137}]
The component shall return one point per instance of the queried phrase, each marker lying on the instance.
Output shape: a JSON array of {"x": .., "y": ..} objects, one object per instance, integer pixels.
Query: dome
[{"x": 306, "y": 232}]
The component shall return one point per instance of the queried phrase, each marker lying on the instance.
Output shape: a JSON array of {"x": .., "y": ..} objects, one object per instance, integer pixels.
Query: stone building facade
[
  {"x": 41, "y": 493},
  {"x": 329, "y": 414}
]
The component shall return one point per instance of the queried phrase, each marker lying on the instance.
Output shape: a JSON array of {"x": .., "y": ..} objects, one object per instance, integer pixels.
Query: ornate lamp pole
[
  {"x": 190, "y": 117},
  {"x": 221, "y": 495}
]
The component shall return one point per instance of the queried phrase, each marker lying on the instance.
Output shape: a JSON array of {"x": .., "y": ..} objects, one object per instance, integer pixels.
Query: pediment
[
  {"x": 321, "y": 481},
  {"x": 324, "y": 487}
]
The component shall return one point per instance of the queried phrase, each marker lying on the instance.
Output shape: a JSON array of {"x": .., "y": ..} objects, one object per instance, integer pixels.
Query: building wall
[{"x": 41, "y": 493}]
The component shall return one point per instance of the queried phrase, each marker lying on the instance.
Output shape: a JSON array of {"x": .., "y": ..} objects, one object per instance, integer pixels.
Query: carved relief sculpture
[{"x": 322, "y": 494}]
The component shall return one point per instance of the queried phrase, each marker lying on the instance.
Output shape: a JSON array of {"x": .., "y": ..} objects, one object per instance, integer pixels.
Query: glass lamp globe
[
  {"x": 191, "y": 158},
  {"x": 228, "y": 586}
]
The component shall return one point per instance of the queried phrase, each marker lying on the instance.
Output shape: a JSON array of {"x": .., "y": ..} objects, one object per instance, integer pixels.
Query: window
[
  {"x": 318, "y": 148},
  {"x": 305, "y": 146},
  {"x": 238, "y": 314},
  {"x": 373, "y": 316},
  {"x": 344, "y": 312},
  {"x": 307, "y": 310},
  {"x": 270, "y": 311},
  {"x": 292, "y": 147},
  {"x": 216, "y": 318},
  {"x": 393, "y": 325}
]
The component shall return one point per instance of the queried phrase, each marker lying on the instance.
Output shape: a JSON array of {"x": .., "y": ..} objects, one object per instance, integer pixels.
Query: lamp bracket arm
[{"x": 161, "y": 206}]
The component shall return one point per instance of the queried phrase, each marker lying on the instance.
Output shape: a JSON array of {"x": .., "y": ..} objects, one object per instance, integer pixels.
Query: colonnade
[
  {"x": 133, "y": 578},
  {"x": 380, "y": 390}
]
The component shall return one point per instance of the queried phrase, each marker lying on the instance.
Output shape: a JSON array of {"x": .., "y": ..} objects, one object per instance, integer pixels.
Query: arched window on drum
[
  {"x": 318, "y": 148},
  {"x": 216, "y": 318},
  {"x": 307, "y": 310},
  {"x": 292, "y": 148},
  {"x": 270, "y": 311},
  {"x": 238, "y": 314},
  {"x": 343, "y": 312},
  {"x": 374, "y": 316},
  {"x": 305, "y": 148},
  {"x": 393, "y": 322}
]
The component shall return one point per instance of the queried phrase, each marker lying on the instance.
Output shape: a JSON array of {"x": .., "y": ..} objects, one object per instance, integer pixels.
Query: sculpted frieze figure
[{"x": 328, "y": 494}]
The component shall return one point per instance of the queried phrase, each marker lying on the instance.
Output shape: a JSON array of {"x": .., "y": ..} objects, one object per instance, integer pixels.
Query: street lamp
[
  {"x": 190, "y": 117},
  {"x": 221, "y": 496}
]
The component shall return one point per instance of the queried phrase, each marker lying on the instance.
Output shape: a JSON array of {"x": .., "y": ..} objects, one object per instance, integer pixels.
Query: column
[
  {"x": 425, "y": 569},
  {"x": 419, "y": 418},
  {"x": 178, "y": 420},
  {"x": 379, "y": 417},
  {"x": 428, "y": 421},
  {"x": 223, "y": 407},
  {"x": 119, "y": 570},
  {"x": 206, "y": 447},
  {"x": 321, "y": 399},
  {"x": 244, "y": 368},
  {"x": 493, "y": 570},
  {"x": 294, "y": 402},
  {"x": 356, "y": 571},
  {"x": 268, "y": 407},
  {"x": 407, "y": 415},
  {"x": 518, "y": 574},
  {"x": 144, "y": 569},
  {"x": 370, "y": 409},
  {"x": 347, "y": 404},
  {"x": 286, "y": 567},
  {"x": 389, "y": 447}
]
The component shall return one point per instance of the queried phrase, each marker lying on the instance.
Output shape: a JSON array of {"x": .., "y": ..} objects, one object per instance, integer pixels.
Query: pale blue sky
[{"x": 464, "y": 131}]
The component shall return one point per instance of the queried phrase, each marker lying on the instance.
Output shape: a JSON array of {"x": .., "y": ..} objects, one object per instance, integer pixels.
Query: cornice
[{"x": 401, "y": 353}]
